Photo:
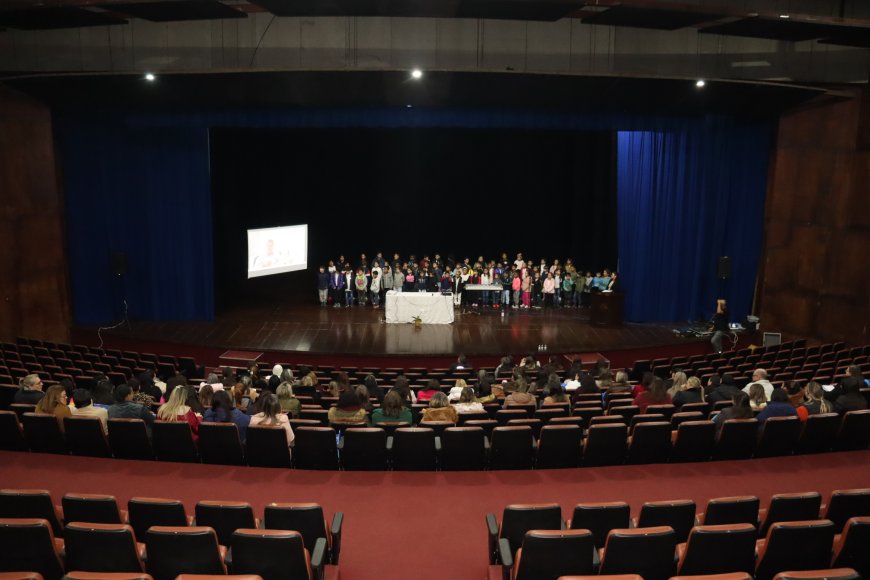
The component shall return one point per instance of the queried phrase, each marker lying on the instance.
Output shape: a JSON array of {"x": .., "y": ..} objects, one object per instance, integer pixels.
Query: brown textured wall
[
  {"x": 817, "y": 240},
  {"x": 34, "y": 295}
]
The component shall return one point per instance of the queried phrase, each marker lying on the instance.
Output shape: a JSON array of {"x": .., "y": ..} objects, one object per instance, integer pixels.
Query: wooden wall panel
[
  {"x": 34, "y": 290},
  {"x": 816, "y": 280}
]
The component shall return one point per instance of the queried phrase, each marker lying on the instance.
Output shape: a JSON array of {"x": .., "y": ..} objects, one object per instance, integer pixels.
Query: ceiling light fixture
[{"x": 416, "y": 74}]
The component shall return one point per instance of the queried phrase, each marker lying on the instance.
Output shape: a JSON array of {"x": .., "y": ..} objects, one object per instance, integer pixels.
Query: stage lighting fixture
[
  {"x": 150, "y": 77},
  {"x": 416, "y": 74},
  {"x": 700, "y": 83}
]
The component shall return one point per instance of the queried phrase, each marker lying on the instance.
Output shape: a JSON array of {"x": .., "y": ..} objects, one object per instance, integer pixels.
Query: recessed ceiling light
[
  {"x": 700, "y": 83},
  {"x": 783, "y": 15},
  {"x": 416, "y": 74},
  {"x": 150, "y": 77}
]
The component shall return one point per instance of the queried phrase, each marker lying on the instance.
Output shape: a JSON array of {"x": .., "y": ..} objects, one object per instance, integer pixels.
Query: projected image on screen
[{"x": 277, "y": 250}]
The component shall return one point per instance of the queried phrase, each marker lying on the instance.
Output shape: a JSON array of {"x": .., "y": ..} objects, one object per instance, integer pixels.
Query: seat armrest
[
  {"x": 390, "y": 443},
  {"x": 335, "y": 530},
  {"x": 505, "y": 556},
  {"x": 438, "y": 444},
  {"x": 317, "y": 557},
  {"x": 492, "y": 534}
]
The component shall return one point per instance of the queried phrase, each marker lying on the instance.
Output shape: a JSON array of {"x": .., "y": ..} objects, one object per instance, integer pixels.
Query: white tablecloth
[{"x": 431, "y": 307}]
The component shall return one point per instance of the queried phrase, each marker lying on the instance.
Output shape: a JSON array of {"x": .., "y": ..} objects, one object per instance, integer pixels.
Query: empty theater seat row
[
  {"x": 90, "y": 533},
  {"x": 668, "y": 538}
]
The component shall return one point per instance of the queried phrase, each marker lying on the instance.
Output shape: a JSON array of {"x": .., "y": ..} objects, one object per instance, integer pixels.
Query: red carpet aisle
[{"x": 430, "y": 525}]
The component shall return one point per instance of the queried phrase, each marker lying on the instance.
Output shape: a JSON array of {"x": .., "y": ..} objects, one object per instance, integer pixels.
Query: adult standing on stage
[{"x": 720, "y": 324}]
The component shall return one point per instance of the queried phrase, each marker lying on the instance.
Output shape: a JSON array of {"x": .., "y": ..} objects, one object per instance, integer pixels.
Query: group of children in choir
[{"x": 522, "y": 283}]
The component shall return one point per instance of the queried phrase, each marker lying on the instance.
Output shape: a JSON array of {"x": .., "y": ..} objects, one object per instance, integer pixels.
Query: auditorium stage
[{"x": 362, "y": 332}]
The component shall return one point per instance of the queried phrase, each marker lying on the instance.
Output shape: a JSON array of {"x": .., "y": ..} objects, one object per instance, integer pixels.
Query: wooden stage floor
[{"x": 362, "y": 331}]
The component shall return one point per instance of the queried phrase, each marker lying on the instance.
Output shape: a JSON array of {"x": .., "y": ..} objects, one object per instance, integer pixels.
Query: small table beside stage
[{"x": 431, "y": 307}]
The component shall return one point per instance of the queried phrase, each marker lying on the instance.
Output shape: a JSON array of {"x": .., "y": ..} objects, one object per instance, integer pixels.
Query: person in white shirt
[
  {"x": 760, "y": 377},
  {"x": 468, "y": 402},
  {"x": 84, "y": 407}
]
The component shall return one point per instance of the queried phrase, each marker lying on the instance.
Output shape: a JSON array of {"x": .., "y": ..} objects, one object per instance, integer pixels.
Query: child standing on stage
[
  {"x": 360, "y": 283},
  {"x": 526, "y": 286},
  {"x": 549, "y": 289},
  {"x": 348, "y": 285},
  {"x": 568, "y": 289},
  {"x": 375, "y": 288},
  {"x": 336, "y": 286},
  {"x": 322, "y": 285},
  {"x": 516, "y": 288}
]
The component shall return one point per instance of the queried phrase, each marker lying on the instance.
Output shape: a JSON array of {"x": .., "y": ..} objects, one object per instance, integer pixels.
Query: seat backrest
[
  {"x": 128, "y": 439},
  {"x": 85, "y": 437},
  {"x": 219, "y": 444},
  {"x": 173, "y": 441},
  {"x": 225, "y": 517},
  {"x": 650, "y": 443},
  {"x": 732, "y": 510},
  {"x": 517, "y": 519},
  {"x": 819, "y": 433},
  {"x": 554, "y": 553},
  {"x": 779, "y": 436},
  {"x": 30, "y": 504},
  {"x": 145, "y": 512},
  {"x": 560, "y": 446},
  {"x": 845, "y": 504},
  {"x": 92, "y": 508},
  {"x": 678, "y": 514},
  {"x": 315, "y": 448},
  {"x": 737, "y": 439},
  {"x": 645, "y": 551},
  {"x": 306, "y": 518},
  {"x": 827, "y": 574},
  {"x": 511, "y": 447},
  {"x": 11, "y": 434},
  {"x": 605, "y": 445},
  {"x": 172, "y": 551},
  {"x": 463, "y": 448},
  {"x": 791, "y": 507},
  {"x": 365, "y": 449},
  {"x": 666, "y": 410},
  {"x": 719, "y": 550},
  {"x": 101, "y": 548},
  {"x": 804, "y": 545},
  {"x": 414, "y": 449},
  {"x": 851, "y": 549},
  {"x": 266, "y": 446},
  {"x": 43, "y": 434},
  {"x": 599, "y": 518},
  {"x": 855, "y": 431},
  {"x": 278, "y": 554},
  {"x": 694, "y": 441},
  {"x": 28, "y": 544}
]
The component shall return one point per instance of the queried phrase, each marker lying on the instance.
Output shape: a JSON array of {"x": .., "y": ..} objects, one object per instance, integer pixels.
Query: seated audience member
[
  {"x": 677, "y": 381},
  {"x": 645, "y": 384},
  {"x": 520, "y": 396},
  {"x": 657, "y": 395},
  {"x": 757, "y": 397},
  {"x": 691, "y": 392},
  {"x": 362, "y": 394},
  {"x": 505, "y": 366},
  {"x": 456, "y": 389},
  {"x": 213, "y": 380},
  {"x": 468, "y": 402},
  {"x": 712, "y": 384},
  {"x": 84, "y": 407},
  {"x": 739, "y": 409},
  {"x": 759, "y": 377},
  {"x": 392, "y": 410},
  {"x": 725, "y": 391},
  {"x": 243, "y": 396},
  {"x": 228, "y": 377},
  {"x": 206, "y": 394},
  {"x": 176, "y": 409},
  {"x": 815, "y": 403},
  {"x": 587, "y": 386},
  {"x": 347, "y": 410},
  {"x": 126, "y": 408},
  {"x": 223, "y": 410},
  {"x": 439, "y": 409},
  {"x": 191, "y": 399},
  {"x": 573, "y": 382},
  {"x": 29, "y": 391},
  {"x": 54, "y": 403},
  {"x": 288, "y": 401},
  {"x": 460, "y": 364},
  {"x": 271, "y": 415},
  {"x": 486, "y": 391},
  {"x": 403, "y": 388},
  {"x": 374, "y": 389},
  {"x": 620, "y": 385},
  {"x": 178, "y": 379},
  {"x": 430, "y": 390},
  {"x": 855, "y": 371},
  {"x": 796, "y": 394},
  {"x": 555, "y": 393},
  {"x": 851, "y": 399},
  {"x": 103, "y": 394},
  {"x": 604, "y": 380},
  {"x": 147, "y": 386},
  {"x": 779, "y": 406},
  {"x": 138, "y": 396}
]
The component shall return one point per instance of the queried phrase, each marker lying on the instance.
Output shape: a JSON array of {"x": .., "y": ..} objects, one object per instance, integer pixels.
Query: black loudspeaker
[
  {"x": 724, "y": 267},
  {"x": 119, "y": 263}
]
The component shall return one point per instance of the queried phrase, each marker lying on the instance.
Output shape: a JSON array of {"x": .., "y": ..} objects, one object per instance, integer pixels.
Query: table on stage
[{"x": 431, "y": 307}]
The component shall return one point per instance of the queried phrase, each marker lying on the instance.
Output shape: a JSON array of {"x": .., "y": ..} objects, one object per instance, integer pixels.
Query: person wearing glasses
[{"x": 29, "y": 391}]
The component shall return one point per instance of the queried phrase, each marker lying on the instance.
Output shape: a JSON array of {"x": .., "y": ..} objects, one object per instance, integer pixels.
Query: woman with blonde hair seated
[
  {"x": 520, "y": 396},
  {"x": 757, "y": 397},
  {"x": 690, "y": 393},
  {"x": 439, "y": 409},
  {"x": 678, "y": 380},
  {"x": 176, "y": 410},
  {"x": 456, "y": 389},
  {"x": 55, "y": 403},
  {"x": 288, "y": 401}
]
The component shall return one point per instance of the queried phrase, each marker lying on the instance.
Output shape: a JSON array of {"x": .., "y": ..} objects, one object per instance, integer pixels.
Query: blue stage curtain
[
  {"x": 144, "y": 193},
  {"x": 687, "y": 195}
]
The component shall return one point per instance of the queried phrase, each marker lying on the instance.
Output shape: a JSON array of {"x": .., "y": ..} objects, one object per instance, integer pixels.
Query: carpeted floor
[{"x": 431, "y": 525}]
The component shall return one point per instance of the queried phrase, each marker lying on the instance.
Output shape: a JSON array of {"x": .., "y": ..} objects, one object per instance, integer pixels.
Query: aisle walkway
[{"x": 430, "y": 525}]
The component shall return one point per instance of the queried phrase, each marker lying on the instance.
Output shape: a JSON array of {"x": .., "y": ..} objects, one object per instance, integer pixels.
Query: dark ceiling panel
[
  {"x": 776, "y": 29},
  {"x": 857, "y": 40},
  {"x": 180, "y": 10},
  {"x": 517, "y": 9},
  {"x": 55, "y": 17},
  {"x": 659, "y": 19},
  {"x": 497, "y": 9}
]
